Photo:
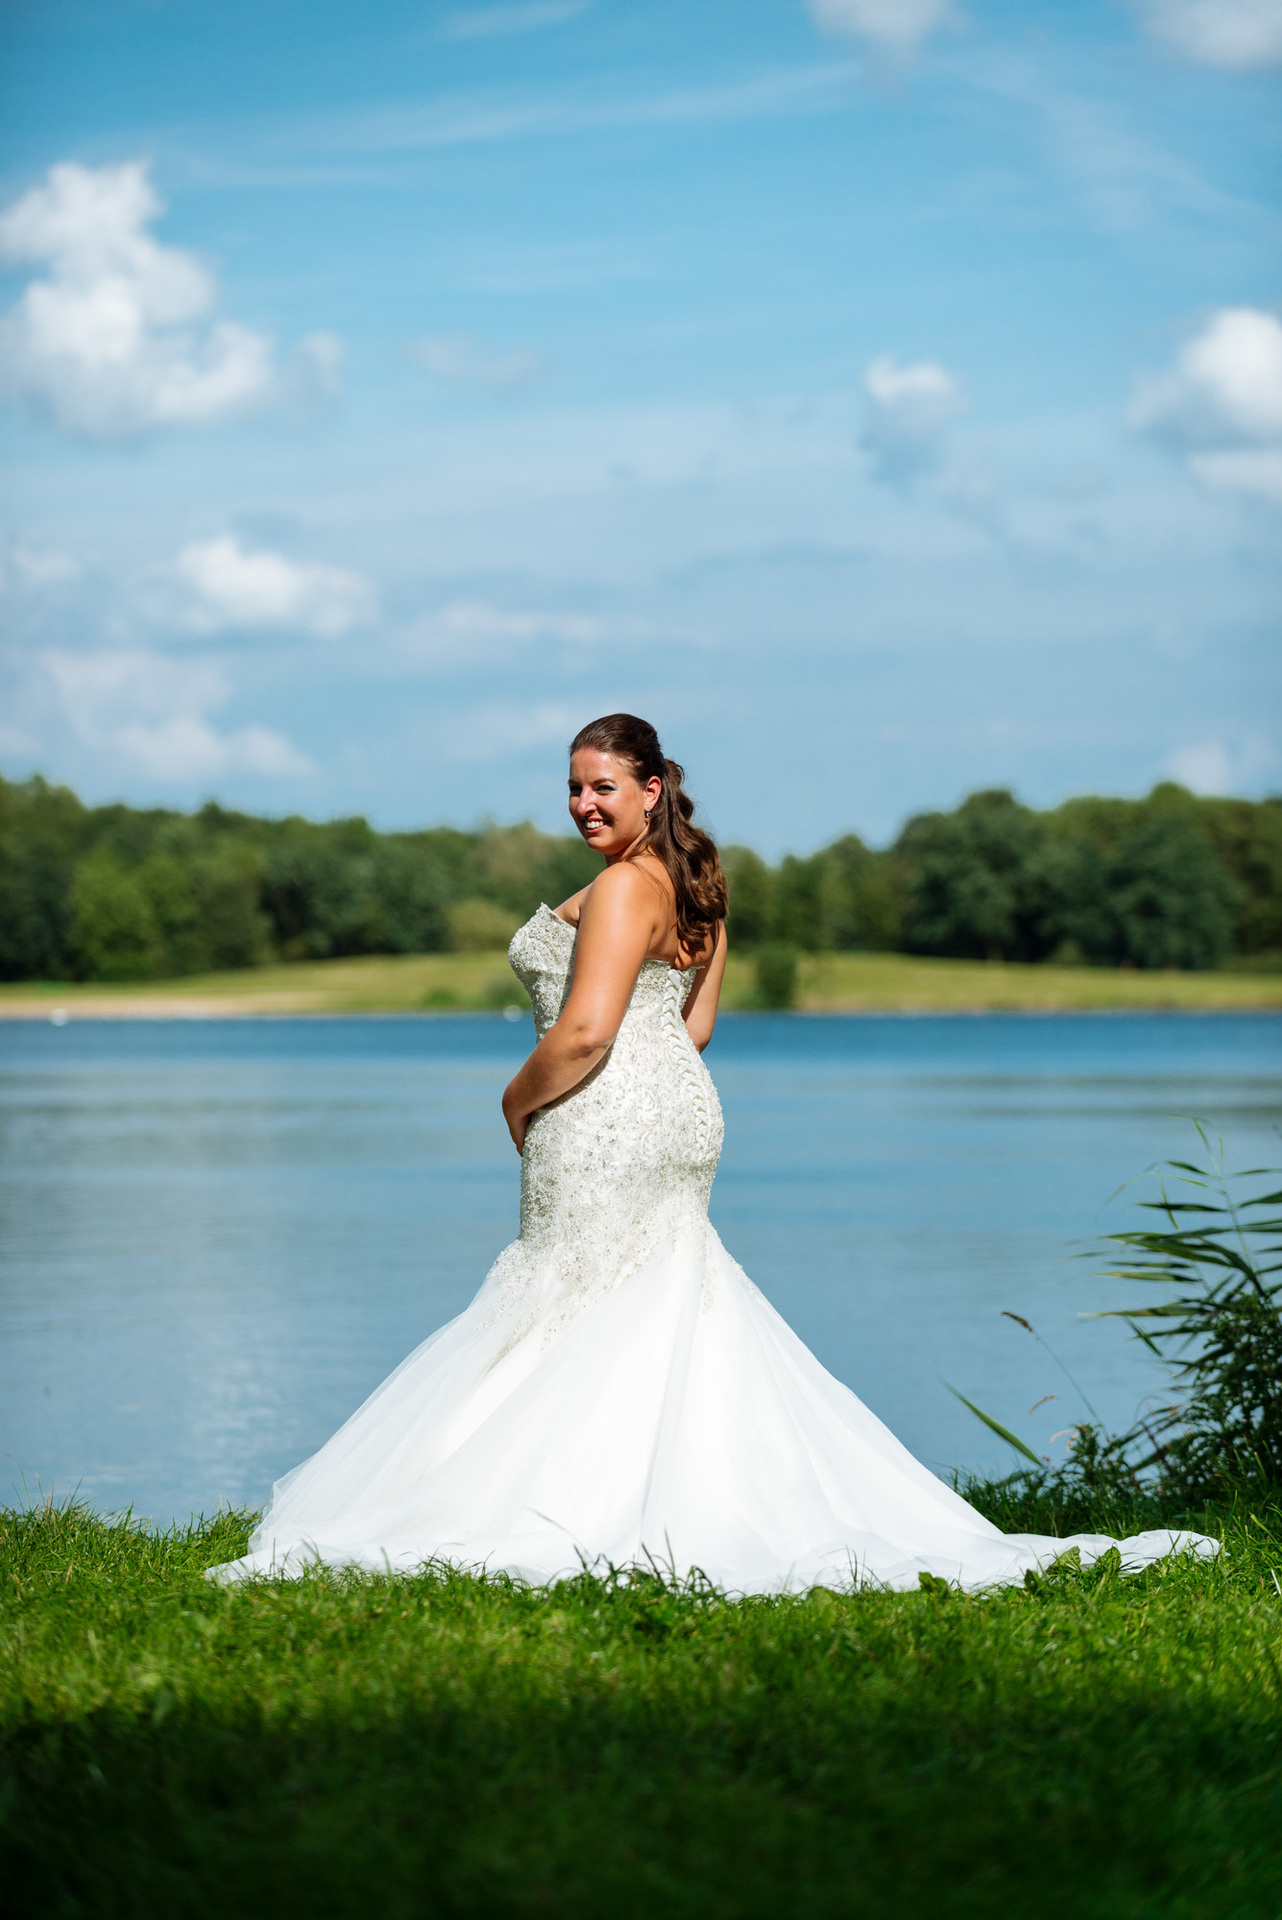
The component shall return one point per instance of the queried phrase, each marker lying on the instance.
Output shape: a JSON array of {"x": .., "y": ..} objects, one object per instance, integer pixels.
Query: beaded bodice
[
  {"x": 613, "y": 1168},
  {"x": 542, "y": 958}
]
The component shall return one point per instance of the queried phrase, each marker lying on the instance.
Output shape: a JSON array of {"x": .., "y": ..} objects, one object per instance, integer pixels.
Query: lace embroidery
[{"x": 620, "y": 1164}]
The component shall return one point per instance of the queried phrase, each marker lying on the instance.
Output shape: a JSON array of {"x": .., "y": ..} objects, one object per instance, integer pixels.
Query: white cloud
[
  {"x": 116, "y": 338},
  {"x": 227, "y": 587},
  {"x": 1226, "y": 383},
  {"x": 1215, "y": 766},
  {"x": 1220, "y": 405},
  {"x": 1237, "y": 35},
  {"x": 461, "y": 360},
  {"x": 1203, "y": 767},
  {"x": 908, "y": 411},
  {"x": 895, "y": 29},
  {"x": 491, "y": 23},
  {"x": 152, "y": 714}
]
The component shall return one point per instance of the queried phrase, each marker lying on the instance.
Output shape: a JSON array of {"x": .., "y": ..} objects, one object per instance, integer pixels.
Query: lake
[{"x": 217, "y": 1236}]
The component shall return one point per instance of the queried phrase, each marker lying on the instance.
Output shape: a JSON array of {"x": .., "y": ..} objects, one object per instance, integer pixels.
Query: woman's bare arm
[
  {"x": 618, "y": 922},
  {"x": 700, "y": 1009}
]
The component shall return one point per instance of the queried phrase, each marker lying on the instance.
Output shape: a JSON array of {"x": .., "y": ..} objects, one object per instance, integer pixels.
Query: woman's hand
[{"x": 517, "y": 1122}]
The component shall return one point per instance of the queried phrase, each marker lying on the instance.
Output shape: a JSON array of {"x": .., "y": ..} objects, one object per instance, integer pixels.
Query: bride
[{"x": 618, "y": 1392}]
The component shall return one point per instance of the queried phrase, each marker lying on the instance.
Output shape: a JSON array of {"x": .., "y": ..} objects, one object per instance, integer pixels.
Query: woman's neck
[{"x": 634, "y": 847}]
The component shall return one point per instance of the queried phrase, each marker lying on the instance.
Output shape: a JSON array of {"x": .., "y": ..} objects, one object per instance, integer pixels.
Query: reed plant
[
  {"x": 1216, "y": 1254},
  {"x": 1216, "y": 1432}
]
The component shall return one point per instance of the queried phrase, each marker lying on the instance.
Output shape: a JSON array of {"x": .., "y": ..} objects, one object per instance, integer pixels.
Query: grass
[
  {"x": 830, "y": 983},
  {"x": 442, "y": 1745},
  {"x": 835, "y": 982},
  {"x": 381, "y": 983}
]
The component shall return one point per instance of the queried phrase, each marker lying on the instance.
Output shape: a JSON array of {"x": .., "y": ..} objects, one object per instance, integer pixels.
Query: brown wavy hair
[{"x": 689, "y": 854}]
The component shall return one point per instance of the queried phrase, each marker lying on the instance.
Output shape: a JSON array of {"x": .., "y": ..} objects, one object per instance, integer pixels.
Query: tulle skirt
[{"x": 674, "y": 1422}]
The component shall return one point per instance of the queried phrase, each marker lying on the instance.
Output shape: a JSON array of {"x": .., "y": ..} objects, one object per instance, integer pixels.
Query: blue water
[{"x": 216, "y": 1237}]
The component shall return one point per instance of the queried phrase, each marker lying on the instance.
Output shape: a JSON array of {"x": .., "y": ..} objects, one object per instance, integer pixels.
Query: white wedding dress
[{"x": 619, "y": 1393}]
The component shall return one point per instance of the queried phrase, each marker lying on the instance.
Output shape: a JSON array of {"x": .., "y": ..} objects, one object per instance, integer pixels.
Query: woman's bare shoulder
[
  {"x": 649, "y": 868},
  {"x": 629, "y": 884},
  {"x": 633, "y": 884}
]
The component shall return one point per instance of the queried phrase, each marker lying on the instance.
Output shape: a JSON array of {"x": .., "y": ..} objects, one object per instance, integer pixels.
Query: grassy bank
[
  {"x": 829, "y": 983},
  {"x": 1096, "y": 1746}
]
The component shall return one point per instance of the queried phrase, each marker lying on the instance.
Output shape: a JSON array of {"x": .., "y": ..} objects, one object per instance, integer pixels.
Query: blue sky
[{"x": 883, "y": 396}]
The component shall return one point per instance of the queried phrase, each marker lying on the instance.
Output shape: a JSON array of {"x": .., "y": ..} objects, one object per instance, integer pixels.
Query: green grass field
[
  {"x": 1095, "y": 1746},
  {"x": 833, "y": 982}
]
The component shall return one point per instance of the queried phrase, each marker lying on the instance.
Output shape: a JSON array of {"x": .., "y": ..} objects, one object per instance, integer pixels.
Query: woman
[{"x": 619, "y": 1392}]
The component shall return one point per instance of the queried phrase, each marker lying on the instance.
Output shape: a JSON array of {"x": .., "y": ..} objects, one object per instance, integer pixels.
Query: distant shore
[{"x": 476, "y": 982}]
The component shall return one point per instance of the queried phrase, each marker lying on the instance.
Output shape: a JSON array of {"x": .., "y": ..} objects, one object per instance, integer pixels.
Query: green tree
[
  {"x": 182, "y": 945},
  {"x": 41, "y": 834},
  {"x": 858, "y": 897},
  {"x": 1247, "y": 838},
  {"x": 799, "y": 903},
  {"x": 414, "y": 886},
  {"x": 113, "y": 933},
  {"x": 503, "y": 863},
  {"x": 35, "y": 919},
  {"x": 479, "y": 926},
  {"x": 975, "y": 880},
  {"x": 233, "y": 927},
  {"x": 1172, "y": 900},
  {"x": 1075, "y": 922},
  {"x": 565, "y": 865},
  {"x": 319, "y": 889},
  {"x": 776, "y": 971},
  {"x": 751, "y": 889}
]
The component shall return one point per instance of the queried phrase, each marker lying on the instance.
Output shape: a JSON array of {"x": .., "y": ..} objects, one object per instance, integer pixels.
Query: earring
[{"x": 647, "y": 816}]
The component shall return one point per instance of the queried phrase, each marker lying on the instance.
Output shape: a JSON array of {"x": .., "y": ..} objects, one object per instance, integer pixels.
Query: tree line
[
  {"x": 122, "y": 893},
  {"x": 1173, "y": 880}
]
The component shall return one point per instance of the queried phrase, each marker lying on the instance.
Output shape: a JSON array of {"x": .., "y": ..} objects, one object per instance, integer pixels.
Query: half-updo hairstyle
[{"x": 689, "y": 854}]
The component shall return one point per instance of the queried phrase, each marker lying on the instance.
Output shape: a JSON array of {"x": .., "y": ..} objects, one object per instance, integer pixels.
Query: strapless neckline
[{"x": 681, "y": 973}]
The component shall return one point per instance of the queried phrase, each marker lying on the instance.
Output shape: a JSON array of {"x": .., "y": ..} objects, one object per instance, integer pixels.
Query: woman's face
[{"x": 607, "y": 801}]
